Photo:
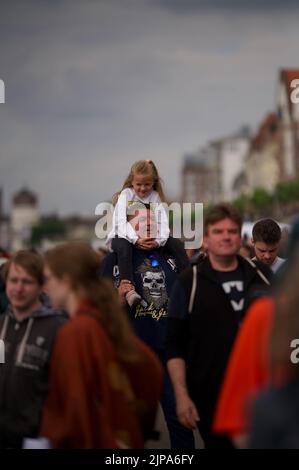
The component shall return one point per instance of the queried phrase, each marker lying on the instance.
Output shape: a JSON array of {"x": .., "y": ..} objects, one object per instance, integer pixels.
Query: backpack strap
[
  {"x": 259, "y": 272},
  {"x": 195, "y": 270},
  {"x": 193, "y": 289},
  {"x": 194, "y": 281}
]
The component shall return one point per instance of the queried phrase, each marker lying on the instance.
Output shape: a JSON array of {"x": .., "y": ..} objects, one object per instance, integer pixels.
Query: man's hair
[
  {"x": 220, "y": 212},
  {"x": 266, "y": 231},
  {"x": 31, "y": 262}
]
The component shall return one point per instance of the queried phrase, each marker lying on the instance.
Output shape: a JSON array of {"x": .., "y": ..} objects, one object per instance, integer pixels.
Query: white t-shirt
[
  {"x": 277, "y": 263},
  {"x": 123, "y": 229}
]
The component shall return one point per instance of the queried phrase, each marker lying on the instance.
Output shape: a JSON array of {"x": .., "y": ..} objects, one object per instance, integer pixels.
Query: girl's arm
[
  {"x": 163, "y": 224},
  {"x": 121, "y": 227}
]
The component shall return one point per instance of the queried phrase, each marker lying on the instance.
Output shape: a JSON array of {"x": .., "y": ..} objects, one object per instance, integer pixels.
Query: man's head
[
  {"x": 24, "y": 280},
  {"x": 222, "y": 235},
  {"x": 142, "y": 219},
  {"x": 266, "y": 236}
]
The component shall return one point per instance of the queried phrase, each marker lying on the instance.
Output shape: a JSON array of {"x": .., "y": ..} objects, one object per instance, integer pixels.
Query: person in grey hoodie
[{"x": 27, "y": 331}]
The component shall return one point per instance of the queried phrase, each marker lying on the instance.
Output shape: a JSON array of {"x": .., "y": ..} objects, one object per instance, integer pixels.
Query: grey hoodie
[{"x": 24, "y": 375}]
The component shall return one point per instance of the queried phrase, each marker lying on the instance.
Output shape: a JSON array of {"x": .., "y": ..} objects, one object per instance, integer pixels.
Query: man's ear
[{"x": 205, "y": 242}]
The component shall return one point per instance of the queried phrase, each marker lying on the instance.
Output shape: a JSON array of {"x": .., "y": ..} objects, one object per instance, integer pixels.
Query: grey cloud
[
  {"x": 93, "y": 86},
  {"x": 189, "y": 6}
]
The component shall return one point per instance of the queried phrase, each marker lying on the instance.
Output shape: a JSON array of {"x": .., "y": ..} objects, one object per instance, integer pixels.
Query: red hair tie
[{"x": 149, "y": 162}]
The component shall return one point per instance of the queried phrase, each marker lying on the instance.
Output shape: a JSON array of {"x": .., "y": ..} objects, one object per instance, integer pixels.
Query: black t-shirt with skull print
[{"x": 154, "y": 276}]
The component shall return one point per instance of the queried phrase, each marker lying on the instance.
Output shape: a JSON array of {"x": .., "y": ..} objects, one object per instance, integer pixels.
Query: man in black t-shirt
[
  {"x": 154, "y": 276},
  {"x": 206, "y": 308},
  {"x": 154, "y": 272}
]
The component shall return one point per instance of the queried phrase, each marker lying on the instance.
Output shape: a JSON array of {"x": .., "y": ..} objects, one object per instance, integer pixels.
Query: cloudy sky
[{"x": 94, "y": 85}]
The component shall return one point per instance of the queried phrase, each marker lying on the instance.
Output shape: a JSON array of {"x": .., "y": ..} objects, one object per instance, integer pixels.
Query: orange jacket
[{"x": 95, "y": 401}]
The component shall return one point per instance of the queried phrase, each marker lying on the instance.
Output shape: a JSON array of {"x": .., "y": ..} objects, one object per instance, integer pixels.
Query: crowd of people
[{"x": 95, "y": 341}]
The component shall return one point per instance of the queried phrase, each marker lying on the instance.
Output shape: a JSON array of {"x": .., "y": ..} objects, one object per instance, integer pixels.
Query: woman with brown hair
[
  {"x": 275, "y": 422},
  {"x": 104, "y": 382}
]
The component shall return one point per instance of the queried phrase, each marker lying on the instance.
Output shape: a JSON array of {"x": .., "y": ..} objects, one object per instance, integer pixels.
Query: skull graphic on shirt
[{"x": 154, "y": 288}]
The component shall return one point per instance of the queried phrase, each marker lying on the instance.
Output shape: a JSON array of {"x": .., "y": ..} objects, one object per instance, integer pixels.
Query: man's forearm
[{"x": 177, "y": 371}]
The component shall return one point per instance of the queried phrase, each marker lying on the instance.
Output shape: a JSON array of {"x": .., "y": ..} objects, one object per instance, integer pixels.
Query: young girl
[{"x": 142, "y": 192}]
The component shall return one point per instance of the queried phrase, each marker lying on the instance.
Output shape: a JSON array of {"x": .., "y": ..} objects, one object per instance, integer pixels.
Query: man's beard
[{"x": 25, "y": 306}]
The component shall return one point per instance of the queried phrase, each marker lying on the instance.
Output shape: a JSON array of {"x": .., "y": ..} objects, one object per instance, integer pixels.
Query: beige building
[
  {"x": 288, "y": 111},
  {"x": 200, "y": 177},
  {"x": 209, "y": 175},
  {"x": 262, "y": 165},
  {"x": 231, "y": 157},
  {"x": 24, "y": 215},
  {"x": 274, "y": 152}
]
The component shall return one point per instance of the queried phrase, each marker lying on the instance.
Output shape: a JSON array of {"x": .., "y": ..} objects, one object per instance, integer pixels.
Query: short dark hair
[
  {"x": 220, "y": 212},
  {"x": 266, "y": 231},
  {"x": 31, "y": 262}
]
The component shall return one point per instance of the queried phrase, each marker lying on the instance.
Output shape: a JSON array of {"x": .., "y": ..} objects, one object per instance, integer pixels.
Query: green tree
[
  {"x": 242, "y": 204},
  {"x": 261, "y": 200},
  {"x": 47, "y": 229}
]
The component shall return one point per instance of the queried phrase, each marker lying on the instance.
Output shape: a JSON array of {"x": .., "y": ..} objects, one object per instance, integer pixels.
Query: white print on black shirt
[
  {"x": 153, "y": 286},
  {"x": 228, "y": 288}
]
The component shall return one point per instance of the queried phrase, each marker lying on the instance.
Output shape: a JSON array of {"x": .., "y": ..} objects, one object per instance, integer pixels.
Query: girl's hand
[
  {"x": 152, "y": 245},
  {"x": 147, "y": 244},
  {"x": 142, "y": 243},
  {"x": 155, "y": 244}
]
